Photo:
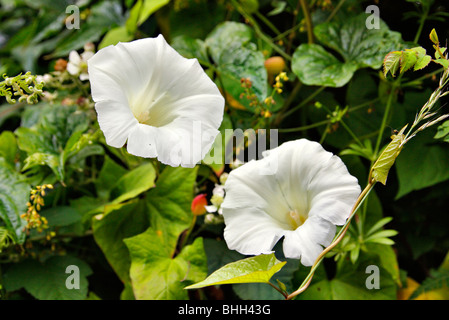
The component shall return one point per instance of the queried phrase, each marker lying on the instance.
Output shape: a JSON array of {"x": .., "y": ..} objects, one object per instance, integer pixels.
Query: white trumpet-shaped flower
[
  {"x": 309, "y": 193},
  {"x": 158, "y": 102}
]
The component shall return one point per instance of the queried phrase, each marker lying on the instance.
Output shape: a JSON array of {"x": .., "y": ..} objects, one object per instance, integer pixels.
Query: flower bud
[{"x": 199, "y": 204}]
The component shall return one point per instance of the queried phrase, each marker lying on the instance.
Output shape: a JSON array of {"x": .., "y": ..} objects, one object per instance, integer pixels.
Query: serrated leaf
[
  {"x": 257, "y": 269},
  {"x": 392, "y": 62},
  {"x": 422, "y": 62},
  {"x": 408, "y": 60},
  {"x": 387, "y": 158},
  {"x": 443, "y": 62}
]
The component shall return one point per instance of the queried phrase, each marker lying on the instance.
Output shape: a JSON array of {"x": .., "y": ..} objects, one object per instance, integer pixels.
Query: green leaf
[
  {"x": 114, "y": 36},
  {"x": 14, "y": 195},
  {"x": 118, "y": 222},
  {"x": 155, "y": 275},
  {"x": 350, "y": 283},
  {"x": 103, "y": 16},
  {"x": 110, "y": 173},
  {"x": 443, "y": 62},
  {"x": 257, "y": 269},
  {"x": 358, "y": 46},
  {"x": 317, "y": 67},
  {"x": 60, "y": 216},
  {"x": 408, "y": 60},
  {"x": 387, "y": 158},
  {"x": 133, "y": 183},
  {"x": 215, "y": 158},
  {"x": 423, "y": 163},
  {"x": 191, "y": 48},
  {"x": 392, "y": 62},
  {"x": 233, "y": 49},
  {"x": 47, "y": 281},
  {"x": 55, "y": 136},
  {"x": 434, "y": 37},
  {"x": 170, "y": 202},
  {"x": 443, "y": 131},
  {"x": 378, "y": 225},
  {"x": 437, "y": 280},
  {"x": 422, "y": 62},
  {"x": 8, "y": 147},
  {"x": 148, "y": 8}
]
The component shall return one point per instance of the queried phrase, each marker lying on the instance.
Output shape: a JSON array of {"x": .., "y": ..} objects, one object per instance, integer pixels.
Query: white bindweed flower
[
  {"x": 158, "y": 102},
  {"x": 77, "y": 65},
  {"x": 303, "y": 200}
]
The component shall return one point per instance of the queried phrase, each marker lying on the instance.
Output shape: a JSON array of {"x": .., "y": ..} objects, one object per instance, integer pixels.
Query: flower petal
[
  {"x": 184, "y": 142},
  {"x": 116, "y": 121},
  {"x": 247, "y": 187},
  {"x": 314, "y": 181},
  {"x": 250, "y": 231},
  {"x": 307, "y": 241},
  {"x": 142, "y": 141}
]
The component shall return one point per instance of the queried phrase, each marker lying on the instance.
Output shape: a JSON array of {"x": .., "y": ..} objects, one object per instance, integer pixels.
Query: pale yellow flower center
[{"x": 296, "y": 219}]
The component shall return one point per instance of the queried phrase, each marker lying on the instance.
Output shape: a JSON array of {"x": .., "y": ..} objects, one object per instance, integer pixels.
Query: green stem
[
  {"x": 334, "y": 12},
  {"x": 258, "y": 31},
  {"x": 421, "y": 24},
  {"x": 188, "y": 232},
  {"x": 326, "y": 131},
  {"x": 305, "y": 10},
  {"x": 304, "y": 102},
  {"x": 268, "y": 23},
  {"x": 383, "y": 124},
  {"x": 288, "y": 102},
  {"x": 307, "y": 127}
]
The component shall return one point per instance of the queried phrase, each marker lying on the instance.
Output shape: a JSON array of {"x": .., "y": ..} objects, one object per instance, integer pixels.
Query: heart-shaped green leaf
[{"x": 257, "y": 269}]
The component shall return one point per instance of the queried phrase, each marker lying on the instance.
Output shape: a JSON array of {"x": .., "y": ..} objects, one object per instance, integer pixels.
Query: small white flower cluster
[
  {"x": 218, "y": 195},
  {"x": 77, "y": 65}
]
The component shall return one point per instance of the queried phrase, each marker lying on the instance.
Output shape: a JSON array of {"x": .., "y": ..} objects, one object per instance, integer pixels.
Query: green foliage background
[{"x": 122, "y": 220}]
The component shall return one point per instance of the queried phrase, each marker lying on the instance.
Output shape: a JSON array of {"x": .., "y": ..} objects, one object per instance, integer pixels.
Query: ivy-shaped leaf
[{"x": 155, "y": 274}]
